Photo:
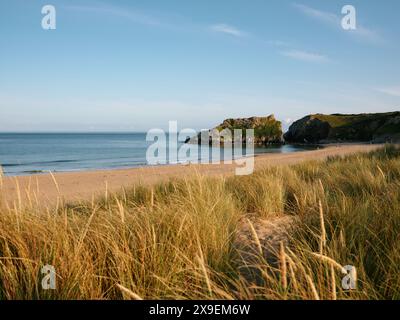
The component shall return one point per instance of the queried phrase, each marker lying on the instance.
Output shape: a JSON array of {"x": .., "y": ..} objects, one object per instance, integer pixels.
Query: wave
[
  {"x": 5, "y": 165},
  {"x": 34, "y": 171}
]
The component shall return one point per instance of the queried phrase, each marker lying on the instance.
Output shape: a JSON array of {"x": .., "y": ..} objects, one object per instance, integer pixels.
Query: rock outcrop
[
  {"x": 319, "y": 128},
  {"x": 267, "y": 130}
]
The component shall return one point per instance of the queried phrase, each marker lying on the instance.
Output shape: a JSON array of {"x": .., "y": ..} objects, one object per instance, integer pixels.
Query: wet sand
[{"x": 77, "y": 186}]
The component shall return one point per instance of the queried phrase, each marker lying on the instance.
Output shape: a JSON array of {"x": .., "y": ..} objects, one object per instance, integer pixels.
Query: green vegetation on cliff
[
  {"x": 267, "y": 130},
  {"x": 374, "y": 127}
]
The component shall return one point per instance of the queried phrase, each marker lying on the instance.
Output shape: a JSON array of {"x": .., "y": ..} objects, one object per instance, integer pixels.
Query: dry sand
[{"x": 77, "y": 186}]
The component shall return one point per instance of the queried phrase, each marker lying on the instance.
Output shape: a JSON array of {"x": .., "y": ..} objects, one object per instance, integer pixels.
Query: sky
[{"x": 130, "y": 65}]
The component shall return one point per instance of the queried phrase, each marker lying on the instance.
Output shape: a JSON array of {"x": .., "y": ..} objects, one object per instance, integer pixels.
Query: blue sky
[{"x": 134, "y": 65}]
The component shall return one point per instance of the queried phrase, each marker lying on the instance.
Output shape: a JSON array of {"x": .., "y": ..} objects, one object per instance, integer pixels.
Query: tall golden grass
[{"x": 177, "y": 240}]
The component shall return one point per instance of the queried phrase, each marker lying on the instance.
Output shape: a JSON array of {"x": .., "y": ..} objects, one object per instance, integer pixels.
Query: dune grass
[{"x": 176, "y": 240}]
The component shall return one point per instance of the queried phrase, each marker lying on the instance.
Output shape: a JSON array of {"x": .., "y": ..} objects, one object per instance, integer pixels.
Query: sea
[{"x": 36, "y": 153}]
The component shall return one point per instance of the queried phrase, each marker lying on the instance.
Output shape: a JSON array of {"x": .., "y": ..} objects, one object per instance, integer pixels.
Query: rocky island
[{"x": 267, "y": 130}]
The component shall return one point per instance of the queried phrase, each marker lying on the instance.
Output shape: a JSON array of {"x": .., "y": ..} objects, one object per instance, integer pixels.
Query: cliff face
[
  {"x": 319, "y": 128},
  {"x": 267, "y": 130}
]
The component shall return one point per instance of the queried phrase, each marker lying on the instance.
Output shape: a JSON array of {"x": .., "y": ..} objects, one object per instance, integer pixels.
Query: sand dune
[{"x": 47, "y": 188}]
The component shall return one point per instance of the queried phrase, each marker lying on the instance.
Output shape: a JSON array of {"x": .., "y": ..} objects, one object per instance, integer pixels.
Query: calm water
[{"x": 22, "y": 154}]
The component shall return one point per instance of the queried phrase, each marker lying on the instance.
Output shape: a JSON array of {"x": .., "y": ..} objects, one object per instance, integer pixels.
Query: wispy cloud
[
  {"x": 305, "y": 56},
  {"x": 392, "y": 91},
  {"x": 323, "y": 16},
  {"x": 227, "y": 29},
  {"x": 369, "y": 35},
  {"x": 334, "y": 20},
  {"x": 135, "y": 16}
]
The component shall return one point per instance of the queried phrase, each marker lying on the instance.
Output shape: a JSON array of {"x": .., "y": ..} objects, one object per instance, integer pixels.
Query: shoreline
[
  {"x": 317, "y": 146},
  {"x": 78, "y": 186},
  {"x": 35, "y": 172}
]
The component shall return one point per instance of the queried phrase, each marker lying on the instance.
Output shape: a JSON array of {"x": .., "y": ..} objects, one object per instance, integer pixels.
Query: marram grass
[{"x": 177, "y": 240}]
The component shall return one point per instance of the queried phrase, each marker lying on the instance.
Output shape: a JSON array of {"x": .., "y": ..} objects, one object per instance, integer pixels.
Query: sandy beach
[{"x": 78, "y": 186}]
